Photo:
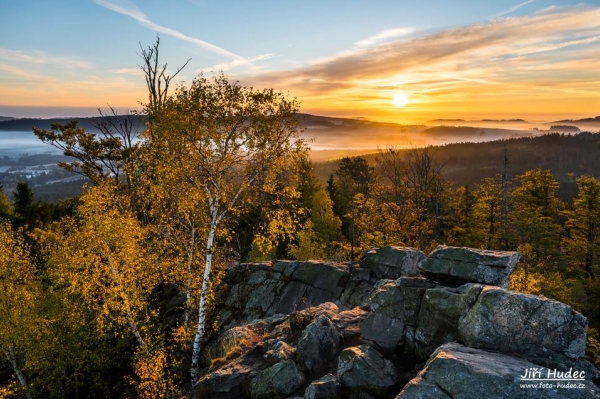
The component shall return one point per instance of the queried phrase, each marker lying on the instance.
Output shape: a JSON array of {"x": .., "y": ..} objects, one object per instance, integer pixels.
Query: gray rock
[
  {"x": 356, "y": 293},
  {"x": 277, "y": 351},
  {"x": 392, "y": 262},
  {"x": 325, "y": 388},
  {"x": 394, "y": 306},
  {"x": 462, "y": 265},
  {"x": 319, "y": 343},
  {"x": 513, "y": 322},
  {"x": 362, "y": 367},
  {"x": 224, "y": 383},
  {"x": 400, "y": 299},
  {"x": 387, "y": 332},
  {"x": 321, "y": 275},
  {"x": 279, "y": 380},
  {"x": 441, "y": 309},
  {"x": 257, "y": 290},
  {"x": 419, "y": 388},
  {"x": 348, "y": 322},
  {"x": 455, "y": 371}
]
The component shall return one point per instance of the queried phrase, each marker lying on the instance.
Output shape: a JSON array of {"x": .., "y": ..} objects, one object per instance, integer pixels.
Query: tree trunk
[
  {"x": 202, "y": 307},
  {"x": 590, "y": 250},
  {"x": 188, "y": 288},
  {"x": 17, "y": 371},
  {"x": 127, "y": 305}
]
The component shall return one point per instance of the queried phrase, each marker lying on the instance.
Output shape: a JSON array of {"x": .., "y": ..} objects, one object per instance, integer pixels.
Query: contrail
[
  {"x": 513, "y": 8},
  {"x": 131, "y": 10}
]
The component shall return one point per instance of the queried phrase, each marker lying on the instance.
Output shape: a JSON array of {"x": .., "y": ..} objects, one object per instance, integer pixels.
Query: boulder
[
  {"x": 260, "y": 290},
  {"x": 319, "y": 343},
  {"x": 364, "y": 368},
  {"x": 277, "y": 351},
  {"x": 386, "y": 332},
  {"x": 356, "y": 293},
  {"x": 279, "y": 380},
  {"x": 441, "y": 310},
  {"x": 311, "y": 283},
  {"x": 455, "y": 371},
  {"x": 227, "y": 341},
  {"x": 457, "y": 266},
  {"x": 394, "y": 307},
  {"x": 325, "y": 388},
  {"x": 531, "y": 325},
  {"x": 392, "y": 262},
  {"x": 224, "y": 383}
]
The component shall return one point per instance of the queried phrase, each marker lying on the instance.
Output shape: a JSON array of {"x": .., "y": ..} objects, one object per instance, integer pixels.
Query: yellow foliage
[
  {"x": 549, "y": 284},
  {"x": 152, "y": 376},
  {"x": 103, "y": 258},
  {"x": 9, "y": 391}
]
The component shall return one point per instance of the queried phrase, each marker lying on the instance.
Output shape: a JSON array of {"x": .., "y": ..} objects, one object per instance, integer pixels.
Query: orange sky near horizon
[{"x": 544, "y": 65}]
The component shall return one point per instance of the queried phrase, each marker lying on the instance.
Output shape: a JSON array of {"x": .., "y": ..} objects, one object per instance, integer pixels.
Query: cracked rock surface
[{"x": 323, "y": 330}]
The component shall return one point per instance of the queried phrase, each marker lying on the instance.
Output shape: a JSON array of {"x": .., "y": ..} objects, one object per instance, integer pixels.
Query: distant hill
[
  {"x": 564, "y": 129},
  {"x": 584, "y": 120},
  {"x": 26, "y": 124},
  {"x": 5, "y": 118},
  {"x": 433, "y": 121},
  {"x": 567, "y": 156},
  {"x": 467, "y": 133}
]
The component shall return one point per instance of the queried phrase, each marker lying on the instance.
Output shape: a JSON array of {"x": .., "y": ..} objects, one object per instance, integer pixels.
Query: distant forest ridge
[
  {"x": 357, "y": 134},
  {"x": 306, "y": 120},
  {"x": 566, "y": 156}
]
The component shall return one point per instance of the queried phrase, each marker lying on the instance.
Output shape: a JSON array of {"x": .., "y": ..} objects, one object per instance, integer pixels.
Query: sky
[{"x": 396, "y": 61}]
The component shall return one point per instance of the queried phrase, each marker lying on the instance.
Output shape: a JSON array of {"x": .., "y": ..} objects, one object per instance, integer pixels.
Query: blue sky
[{"x": 83, "y": 53}]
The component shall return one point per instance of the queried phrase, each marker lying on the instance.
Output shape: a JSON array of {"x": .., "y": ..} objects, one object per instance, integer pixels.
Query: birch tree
[
  {"x": 18, "y": 293},
  {"x": 228, "y": 141},
  {"x": 101, "y": 258}
]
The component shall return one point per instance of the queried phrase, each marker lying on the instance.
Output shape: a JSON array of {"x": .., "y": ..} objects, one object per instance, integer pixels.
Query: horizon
[{"x": 388, "y": 62}]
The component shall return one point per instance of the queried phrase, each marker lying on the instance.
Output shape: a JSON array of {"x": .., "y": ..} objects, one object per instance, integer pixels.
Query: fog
[{"x": 13, "y": 144}]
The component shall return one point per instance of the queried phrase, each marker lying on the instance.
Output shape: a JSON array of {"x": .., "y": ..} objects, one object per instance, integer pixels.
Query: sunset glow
[
  {"x": 531, "y": 60},
  {"x": 400, "y": 99}
]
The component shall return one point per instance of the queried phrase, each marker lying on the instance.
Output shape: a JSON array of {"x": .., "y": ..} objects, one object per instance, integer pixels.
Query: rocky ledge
[{"x": 396, "y": 325}]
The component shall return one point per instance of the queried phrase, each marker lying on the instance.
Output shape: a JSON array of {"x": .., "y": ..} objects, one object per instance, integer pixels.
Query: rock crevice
[{"x": 381, "y": 330}]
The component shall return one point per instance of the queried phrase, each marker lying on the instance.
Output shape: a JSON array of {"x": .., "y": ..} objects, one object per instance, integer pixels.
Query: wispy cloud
[
  {"x": 127, "y": 71},
  {"x": 461, "y": 63},
  {"x": 384, "y": 35},
  {"x": 40, "y": 57},
  {"x": 512, "y": 9},
  {"x": 226, "y": 66},
  {"x": 129, "y": 9}
]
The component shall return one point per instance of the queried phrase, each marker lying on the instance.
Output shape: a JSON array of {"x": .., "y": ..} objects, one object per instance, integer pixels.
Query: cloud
[
  {"x": 129, "y": 9},
  {"x": 235, "y": 63},
  {"x": 40, "y": 57},
  {"x": 459, "y": 52},
  {"x": 512, "y": 9},
  {"x": 384, "y": 35},
  {"x": 543, "y": 62},
  {"x": 127, "y": 71}
]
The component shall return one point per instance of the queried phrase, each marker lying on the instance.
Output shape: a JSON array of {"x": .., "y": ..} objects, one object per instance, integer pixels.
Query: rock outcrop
[
  {"x": 455, "y": 371},
  {"x": 321, "y": 330},
  {"x": 392, "y": 262},
  {"x": 464, "y": 265}
]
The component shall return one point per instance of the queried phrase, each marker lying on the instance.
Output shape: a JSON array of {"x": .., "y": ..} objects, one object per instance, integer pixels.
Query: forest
[{"x": 220, "y": 175}]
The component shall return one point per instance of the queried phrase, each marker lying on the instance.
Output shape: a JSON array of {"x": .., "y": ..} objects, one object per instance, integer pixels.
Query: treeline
[{"x": 566, "y": 156}]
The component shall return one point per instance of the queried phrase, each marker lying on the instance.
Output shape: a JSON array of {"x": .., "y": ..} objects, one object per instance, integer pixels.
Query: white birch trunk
[
  {"x": 188, "y": 288},
  {"x": 17, "y": 371},
  {"x": 201, "y": 309}
]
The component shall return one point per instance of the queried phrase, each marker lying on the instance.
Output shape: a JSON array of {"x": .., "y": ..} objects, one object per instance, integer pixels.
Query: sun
[{"x": 400, "y": 99}]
